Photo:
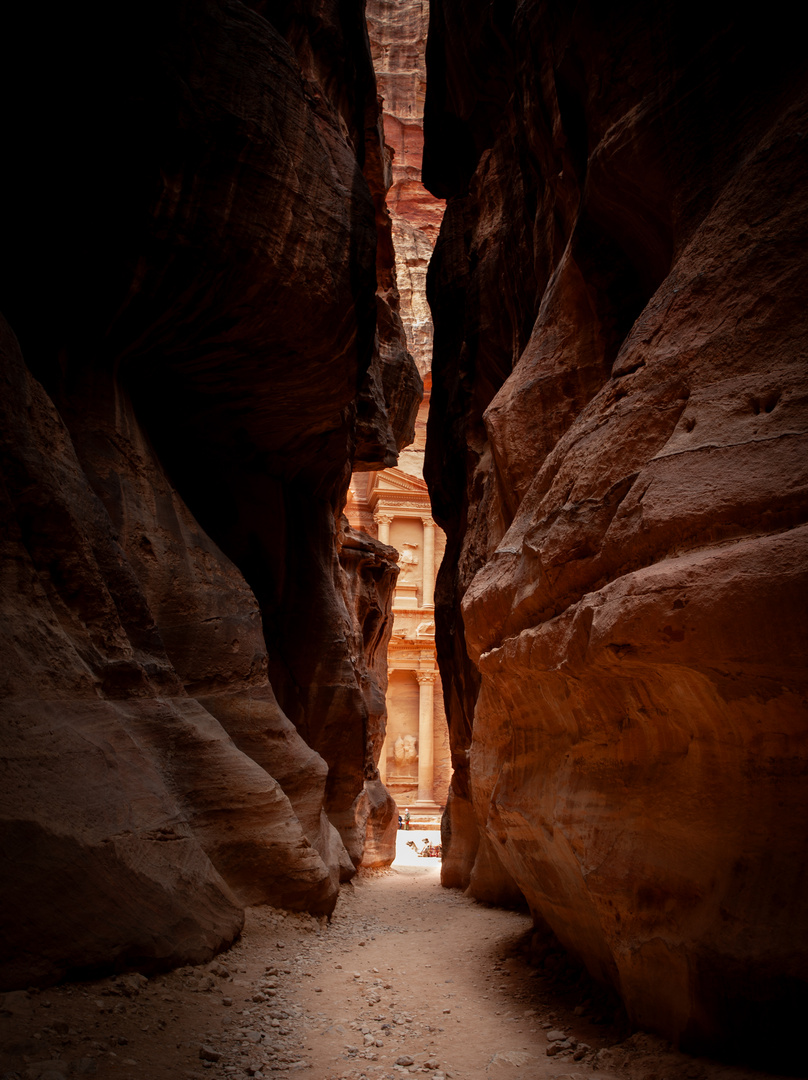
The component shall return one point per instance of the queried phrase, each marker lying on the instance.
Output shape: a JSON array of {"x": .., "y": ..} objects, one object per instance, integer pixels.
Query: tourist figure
[
  {"x": 400, "y": 822},
  {"x": 407, "y": 819}
]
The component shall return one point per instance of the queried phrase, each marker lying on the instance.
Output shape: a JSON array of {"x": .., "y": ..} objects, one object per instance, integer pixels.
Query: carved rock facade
[
  {"x": 617, "y": 452},
  {"x": 192, "y": 689},
  {"x": 414, "y": 761},
  {"x": 394, "y": 505}
]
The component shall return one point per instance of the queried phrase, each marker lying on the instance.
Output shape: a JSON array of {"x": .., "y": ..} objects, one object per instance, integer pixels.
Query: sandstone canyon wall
[
  {"x": 617, "y": 453},
  {"x": 202, "y": 341},
  {"x": 397, "y": 31},
  {"x": 394, "y": 504}
]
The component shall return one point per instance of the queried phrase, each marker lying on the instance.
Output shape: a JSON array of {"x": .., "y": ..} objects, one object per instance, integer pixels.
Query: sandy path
[
  {"x": 408, "y": 978},
  {"x": 424, "y": 958}
]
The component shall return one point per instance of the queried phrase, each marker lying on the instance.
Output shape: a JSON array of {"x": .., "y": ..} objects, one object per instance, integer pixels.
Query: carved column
[
  {"x": 429, "y": 562},
  {"x": 383, "y": 523},
  {"x": 426, "y": 766},
  {"x": 383, "y": 762}
]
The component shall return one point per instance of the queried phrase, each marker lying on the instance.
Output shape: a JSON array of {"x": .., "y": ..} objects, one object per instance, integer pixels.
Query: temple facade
[{"x": 415, "y": 762}]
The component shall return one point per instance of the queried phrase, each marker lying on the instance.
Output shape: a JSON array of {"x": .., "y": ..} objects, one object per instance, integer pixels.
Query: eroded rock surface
[
  {"x": 617, "y": 453},
  {"x": 191, "y": 679},
  {"x": 369, "y": 826},
  {"x": 398, "y": 45}
]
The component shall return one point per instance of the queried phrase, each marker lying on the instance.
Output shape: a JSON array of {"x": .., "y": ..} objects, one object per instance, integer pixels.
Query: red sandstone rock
[
  {"x": 212, "y": 295},
  {"x": 100, "y": 863},
  {"x": 616, "y": 450},
  {"x": 398, "y": 41},
  {"x": 371, "y": 571},
  {"x": 209, "y": 623}
]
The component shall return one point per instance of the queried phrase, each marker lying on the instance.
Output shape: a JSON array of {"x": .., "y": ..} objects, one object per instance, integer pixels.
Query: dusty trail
[{"x": 408, "y": 978}]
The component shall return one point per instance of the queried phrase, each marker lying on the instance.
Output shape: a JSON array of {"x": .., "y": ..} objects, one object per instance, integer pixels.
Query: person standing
[{"x": 406, "y": 819}]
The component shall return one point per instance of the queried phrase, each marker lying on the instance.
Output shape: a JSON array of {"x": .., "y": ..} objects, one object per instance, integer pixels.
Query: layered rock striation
[
  {"x": 397, "y": 32},
  {"x": 202, "y": 341},
  {"x": 617, "y": 452},
  {"x": 398, "y": 45}
]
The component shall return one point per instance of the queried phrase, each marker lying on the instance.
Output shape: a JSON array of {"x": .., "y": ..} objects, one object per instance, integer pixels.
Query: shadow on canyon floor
[{"x": 408, "y": 978}]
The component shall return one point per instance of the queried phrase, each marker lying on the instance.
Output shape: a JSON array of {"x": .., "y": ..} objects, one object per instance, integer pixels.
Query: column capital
[
  {"x": 382, "y": 519},
  {"x": 428, "y": 522},
  {"x": 425, "y": 676}
]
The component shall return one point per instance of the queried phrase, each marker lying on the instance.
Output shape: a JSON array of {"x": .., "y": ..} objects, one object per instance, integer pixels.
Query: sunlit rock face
[
  {"x": 398, "y": 44},
  {"x": 210, "y": 331},
  {"x": 617, "y": 453}
]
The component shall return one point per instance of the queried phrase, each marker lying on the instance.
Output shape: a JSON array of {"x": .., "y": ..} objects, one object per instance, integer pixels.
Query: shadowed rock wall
[
  {"x": 191, "y": 676},
  {"x": 617, "y": 452}
]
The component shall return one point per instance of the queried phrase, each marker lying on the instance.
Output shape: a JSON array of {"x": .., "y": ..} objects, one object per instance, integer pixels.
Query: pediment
[{"x": 397, "y": 480}]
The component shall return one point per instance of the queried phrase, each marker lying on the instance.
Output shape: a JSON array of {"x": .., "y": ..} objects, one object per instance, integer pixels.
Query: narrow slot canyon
[{"x": 403, "y": 421}]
